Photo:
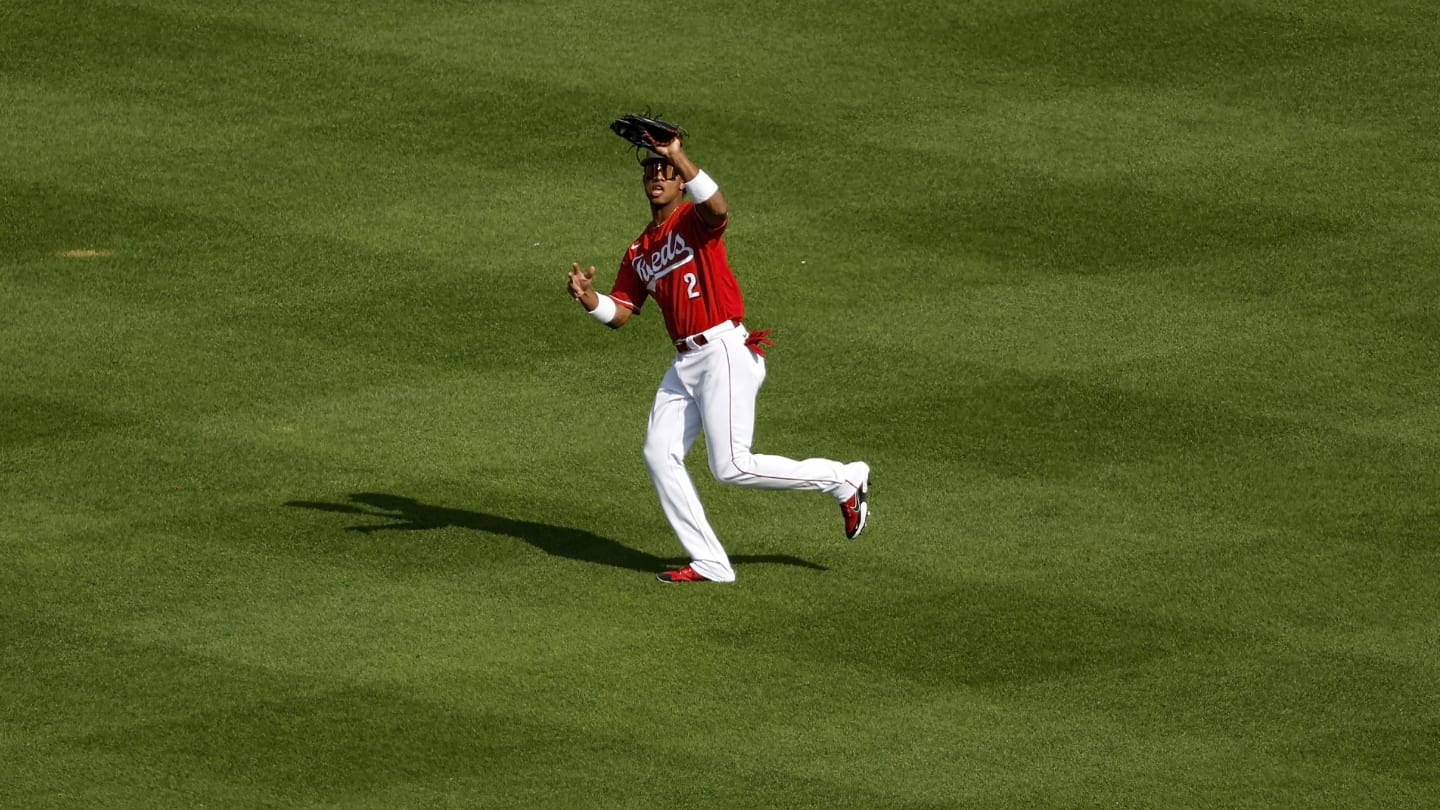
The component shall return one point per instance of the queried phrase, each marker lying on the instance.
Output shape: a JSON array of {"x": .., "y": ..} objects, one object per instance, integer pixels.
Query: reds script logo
[{"x": 661, "y": 263}]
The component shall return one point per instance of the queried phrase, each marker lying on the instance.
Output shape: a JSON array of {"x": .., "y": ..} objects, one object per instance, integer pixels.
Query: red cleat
[
  {"x": 855, "y": 510},
  {"x": 686, "y": 574}
]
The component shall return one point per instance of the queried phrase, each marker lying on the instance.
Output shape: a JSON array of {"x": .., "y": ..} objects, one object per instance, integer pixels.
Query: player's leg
[
  {"x": 674, "y": 425},
  {"x": 726, "y": 392}
]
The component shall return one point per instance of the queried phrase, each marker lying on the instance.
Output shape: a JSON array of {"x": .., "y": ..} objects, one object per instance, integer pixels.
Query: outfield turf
[{"x": 321, "y": 493}]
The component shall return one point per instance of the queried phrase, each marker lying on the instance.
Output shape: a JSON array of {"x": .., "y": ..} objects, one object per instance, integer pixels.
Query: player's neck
[{"x": 660, "y": 213}]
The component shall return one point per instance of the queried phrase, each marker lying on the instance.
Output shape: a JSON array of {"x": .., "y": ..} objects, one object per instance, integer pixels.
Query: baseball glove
[{"x": 645, "y": 131}]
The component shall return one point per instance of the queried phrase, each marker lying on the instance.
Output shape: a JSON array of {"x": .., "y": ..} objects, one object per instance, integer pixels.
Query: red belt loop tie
[{"x": 758, "y": 340}]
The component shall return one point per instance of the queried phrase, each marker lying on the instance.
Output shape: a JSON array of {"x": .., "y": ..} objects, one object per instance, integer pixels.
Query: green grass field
[{"x": 321, "y": 493}]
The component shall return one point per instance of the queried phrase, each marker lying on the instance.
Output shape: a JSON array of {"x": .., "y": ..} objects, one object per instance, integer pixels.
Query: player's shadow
[{"x": 410, "y": 515}]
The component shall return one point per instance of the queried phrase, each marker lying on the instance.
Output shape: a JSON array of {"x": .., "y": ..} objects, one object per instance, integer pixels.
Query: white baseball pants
[{"x": 713, "y": 388}]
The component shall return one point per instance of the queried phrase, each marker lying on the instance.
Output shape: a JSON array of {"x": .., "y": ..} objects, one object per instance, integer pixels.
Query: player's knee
[
  {"x": 730, "y": 470},
  {"x": 658, "y": 456}
]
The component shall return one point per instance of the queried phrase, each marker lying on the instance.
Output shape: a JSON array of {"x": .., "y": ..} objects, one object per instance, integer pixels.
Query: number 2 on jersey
[{"x": 690, "y": 285}]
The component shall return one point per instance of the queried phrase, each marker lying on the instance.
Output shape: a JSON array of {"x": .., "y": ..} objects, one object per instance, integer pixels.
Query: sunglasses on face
[{"x": 664, "y": 171}]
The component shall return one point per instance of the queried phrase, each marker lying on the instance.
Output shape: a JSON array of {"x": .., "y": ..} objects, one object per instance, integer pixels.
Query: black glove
[{"x": 646, "y": 131}]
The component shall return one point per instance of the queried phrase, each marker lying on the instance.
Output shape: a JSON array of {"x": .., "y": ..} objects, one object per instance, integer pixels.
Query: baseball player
[{"x": 679, "y": 261}]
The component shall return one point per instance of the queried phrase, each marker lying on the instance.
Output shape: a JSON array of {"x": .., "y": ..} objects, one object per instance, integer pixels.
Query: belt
[{"x": 693, "y": 342}]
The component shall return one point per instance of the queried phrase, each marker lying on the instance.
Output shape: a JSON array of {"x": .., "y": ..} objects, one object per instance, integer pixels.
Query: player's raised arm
[{"x": 709, "y": 201}]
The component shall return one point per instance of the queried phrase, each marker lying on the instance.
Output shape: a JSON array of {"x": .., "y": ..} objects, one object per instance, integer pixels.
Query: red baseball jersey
[{"x": 681, "y": 264}]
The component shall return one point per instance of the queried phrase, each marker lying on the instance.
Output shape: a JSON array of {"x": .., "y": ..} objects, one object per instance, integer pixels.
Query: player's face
[{"x": 662, "y": 183}]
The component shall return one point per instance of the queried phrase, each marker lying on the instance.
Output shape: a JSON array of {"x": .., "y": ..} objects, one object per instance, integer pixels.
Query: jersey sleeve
[
  {"x": 629, "y": 291},
  {"x": 698, "y": 227}
]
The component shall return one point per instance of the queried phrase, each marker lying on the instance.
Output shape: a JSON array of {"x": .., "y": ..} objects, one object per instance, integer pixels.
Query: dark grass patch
[
  {"x": 1369, "y": 66},
  {"x": 315, "y": 94},
  {"x": 1133, "y": 42},
  {"x": 1023, "y": 424},
  {"x": 28, "y": 420},
  {"x": 976, "y": 635},
  {"x": 1373, "y": 66},
  {"x": 1038, "y": 225},
  {"x": 1343, "y": 709},
  {"x": 43, "y": 220}
]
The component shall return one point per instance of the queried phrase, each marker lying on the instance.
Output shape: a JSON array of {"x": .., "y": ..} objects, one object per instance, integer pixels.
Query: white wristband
[
  {"x": 604, "y": 310},
  {"x": 701, "y": 187}
]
